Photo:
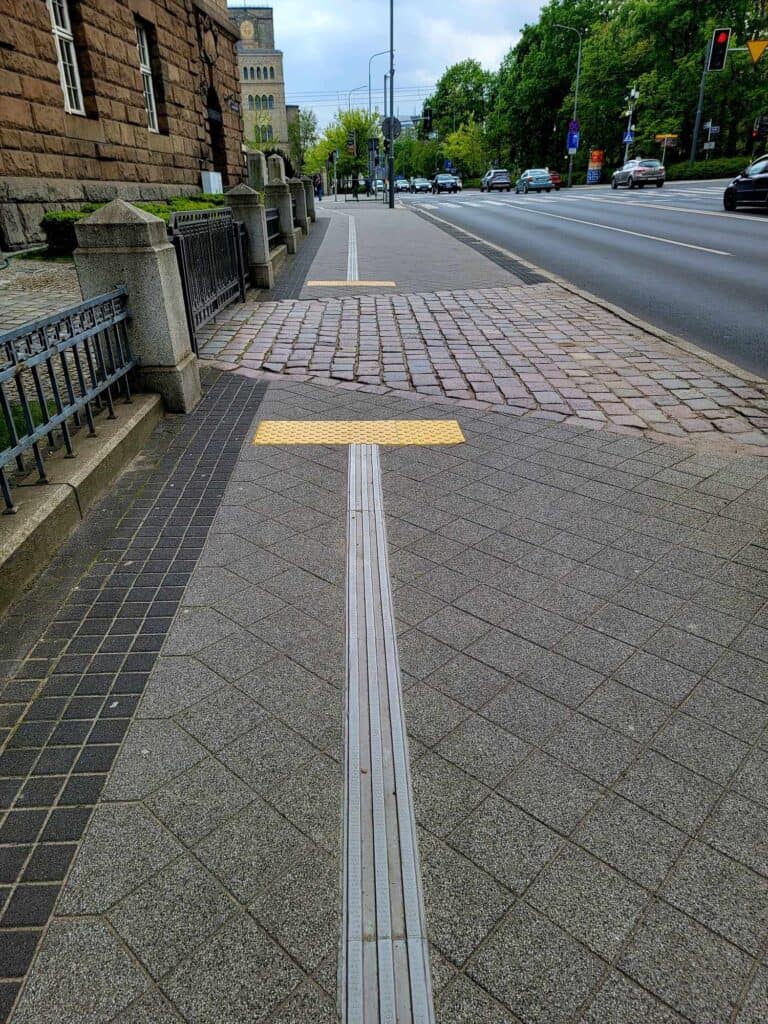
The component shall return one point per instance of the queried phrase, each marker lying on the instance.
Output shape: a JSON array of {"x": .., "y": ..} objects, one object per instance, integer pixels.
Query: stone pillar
[
  {"x": 257, "y": 170},
  {"x": 280, "y": 196},
  {"x": 309, "y": 193},
  {"x": 299, "y": 195},
  {"x": 275, "y": 169},
  {"x": 247, "y": 207},
  {"x": 120, "y": 244}
]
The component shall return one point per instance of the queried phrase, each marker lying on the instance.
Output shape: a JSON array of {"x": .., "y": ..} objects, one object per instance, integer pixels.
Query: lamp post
[
  {"x": 580, "y": 33},
  {"x": 391, "y": 164},
  {"x": 349, "y": 95},
  {"x": 381, "y": 53}
]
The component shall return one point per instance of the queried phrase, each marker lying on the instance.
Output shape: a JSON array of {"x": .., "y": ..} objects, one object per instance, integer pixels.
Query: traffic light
[
  {"x": 718, "y": 50},
  {"x": 426, "y": 120},
  {"x": 352, "y": 143},
  {"x": 386, "y": 147}
]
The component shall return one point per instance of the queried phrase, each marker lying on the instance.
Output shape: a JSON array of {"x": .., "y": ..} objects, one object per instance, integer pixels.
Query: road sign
[
  {"x": 714, "y": 129},
  {"x": 709, "y": 145},
  {"x": 666, "y": 137},
  {"x": 396, "y": 127},
  {"x": 574, "y": 126},
  {"x": 573, "y": 142},
  {"x": 757, "y": 48},
  {"x": 628, "y": 138},
  {"x": 447, "y": 165}
]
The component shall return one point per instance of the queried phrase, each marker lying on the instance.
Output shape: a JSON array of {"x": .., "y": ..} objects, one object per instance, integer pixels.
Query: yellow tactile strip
[{"x": 388, "y": 432}]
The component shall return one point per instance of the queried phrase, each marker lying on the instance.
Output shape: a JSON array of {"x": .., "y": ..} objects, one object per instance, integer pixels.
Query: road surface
[{"x": 671, "y": 256}]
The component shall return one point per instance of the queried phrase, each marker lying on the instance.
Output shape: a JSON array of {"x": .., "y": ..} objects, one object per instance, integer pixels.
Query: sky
[{"x": 326, "y": 46}]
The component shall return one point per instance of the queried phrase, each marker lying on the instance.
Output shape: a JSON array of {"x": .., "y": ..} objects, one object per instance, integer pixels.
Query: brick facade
[{"x": 50, "y": 158}]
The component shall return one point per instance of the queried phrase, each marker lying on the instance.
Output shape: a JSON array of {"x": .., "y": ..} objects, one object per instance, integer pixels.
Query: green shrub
[
  {"x": 59, "y": 228},
  {"x": 720, "y": 167}
]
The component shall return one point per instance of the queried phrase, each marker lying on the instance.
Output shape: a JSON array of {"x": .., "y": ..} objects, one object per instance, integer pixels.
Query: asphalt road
[{"x": 671, "y": 256}]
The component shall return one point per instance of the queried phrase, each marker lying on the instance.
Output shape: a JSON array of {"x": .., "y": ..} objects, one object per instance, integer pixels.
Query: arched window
[
  {"x": 271, "y": 72},
  {"x": 250, "y": 102},
  {"x": 264, "y": 103},
  {"x": 258, "y": 103},
  {"x": 258, "y": 73},
  {"x": 266, "y": 73},
  {"x": 269, "y": 133},
  {"x": 251, "y": 74},
  {"x": 271, "y": 102},
  {"x": 245, "y": 74}
]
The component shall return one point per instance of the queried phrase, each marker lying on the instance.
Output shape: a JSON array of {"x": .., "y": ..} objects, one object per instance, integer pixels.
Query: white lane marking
[
  {"x": 676, "y": 209},
  {"x": 622, "y": 231},
  {"x": 352, "y": 271}
]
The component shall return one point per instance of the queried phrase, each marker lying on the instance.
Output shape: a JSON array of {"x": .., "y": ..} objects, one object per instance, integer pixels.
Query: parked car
[
  {"x": 749, "y": 187},
  {"x": 498, "y": 179},
  {"x": 459, "y": 182},
  {"x": 444, "y": 183},
  {"x": 639, "y": 172},
  {"x": 555, "y": 178},
  {"x": 379, "y": 185},
  {"x": 421, "y": 185},
  {"x": 402, "y": 185},
  {"x": 535, "y": 179}
]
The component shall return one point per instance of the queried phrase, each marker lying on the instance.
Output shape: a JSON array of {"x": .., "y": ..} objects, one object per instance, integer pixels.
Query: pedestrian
[
  {"x": 318, "y": 183},
  {"x": 367, "y": 186},
  {"x": 356, "y": 187}
]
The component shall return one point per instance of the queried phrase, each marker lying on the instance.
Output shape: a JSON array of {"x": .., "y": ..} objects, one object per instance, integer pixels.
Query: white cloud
[{"x": 327, "y": 46}]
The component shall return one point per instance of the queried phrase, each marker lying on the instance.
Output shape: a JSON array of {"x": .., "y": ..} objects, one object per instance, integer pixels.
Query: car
[
  {"x": 444, "y": 183},
  {"x": 498, "y": 178},
  {"x": 421, "y": 185},
  {"x": 379, "y": 185},
  {"x": 639, "y": 172},
  {"x": 749, "y": 187},
  {"x": 459, "y": 182},
  {"x": 401, "y": 185},
  {"x": 535, "y": 179},
  {"x": 557, "y": 181}
]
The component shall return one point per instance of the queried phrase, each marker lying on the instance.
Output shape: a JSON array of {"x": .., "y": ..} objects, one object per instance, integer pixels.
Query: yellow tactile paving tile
[{"x": 387, "y": 432}]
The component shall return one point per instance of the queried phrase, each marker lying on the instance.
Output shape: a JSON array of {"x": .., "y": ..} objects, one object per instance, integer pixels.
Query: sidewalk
[
  {"x": 469, "y": 323},
  {"x": 582, "y": 630}
]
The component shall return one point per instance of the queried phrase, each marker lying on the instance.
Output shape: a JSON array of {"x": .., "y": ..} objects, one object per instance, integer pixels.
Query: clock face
[{"x": 246, "y": 29}]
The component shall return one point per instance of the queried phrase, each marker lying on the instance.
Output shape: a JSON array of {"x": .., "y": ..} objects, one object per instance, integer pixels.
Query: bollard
[
  {"x": 247, "y": 207},
  {"x": 309, "y": 194},
  {"x": 299, "y": 195},
  {"x": 120, "y": 244}
]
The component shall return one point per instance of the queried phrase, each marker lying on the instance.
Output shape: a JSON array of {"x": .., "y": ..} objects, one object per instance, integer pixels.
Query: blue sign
[
  {"x": 573, "y": 141},
  {"x": 447, "y": 165},
  {"x": 593, "y": 176},
  {"x": 574, "y": 126},
  {"x": 628, "y": 137}
]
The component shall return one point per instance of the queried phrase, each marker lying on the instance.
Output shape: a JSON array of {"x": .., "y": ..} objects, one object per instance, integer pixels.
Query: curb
[
  {"x": 657, "y": 332},
  {"x": 48, "y": 513}
]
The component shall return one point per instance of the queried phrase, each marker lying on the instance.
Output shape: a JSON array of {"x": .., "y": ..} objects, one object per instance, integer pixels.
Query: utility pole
[
  {"x": 700, "y": 105},
  {"x": 580, "y": 34},
  {"x": 391, "y": 161},
  {"x": 632, "y": 98}
]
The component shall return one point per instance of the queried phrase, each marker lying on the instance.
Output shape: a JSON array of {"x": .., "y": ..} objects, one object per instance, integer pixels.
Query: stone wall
[{"x": 49, "y": 157}]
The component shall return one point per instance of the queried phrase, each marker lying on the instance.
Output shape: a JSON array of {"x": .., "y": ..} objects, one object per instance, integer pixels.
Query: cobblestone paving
[
  {"x": 583, "y": 633},
  {"x": 528, "y": 348},
  {"x": 31, "y": 289}
]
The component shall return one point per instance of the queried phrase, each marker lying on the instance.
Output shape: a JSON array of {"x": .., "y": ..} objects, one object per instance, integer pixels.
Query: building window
[
  {"x": 258, "y": 103},
  {"x": 253, "y": 75},
  {"x": 250, "y": 102},
  {"x": 266, "y": 73},
  {"x": 69, "y": 73},
  {"x": 264, "y": 103},
  {"x": 271, "y": 102},
  {"x": 271, "y": 72},
  {"x": 258, "y": 72},
  {"x": 145, "y": 66}
]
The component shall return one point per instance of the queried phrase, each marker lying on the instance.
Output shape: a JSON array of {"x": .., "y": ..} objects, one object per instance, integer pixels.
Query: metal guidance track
[{"x": 384, "y": 975}]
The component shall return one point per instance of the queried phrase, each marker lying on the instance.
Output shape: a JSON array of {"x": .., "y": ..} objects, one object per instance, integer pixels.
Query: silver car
[{"x": 639, "y": 172}]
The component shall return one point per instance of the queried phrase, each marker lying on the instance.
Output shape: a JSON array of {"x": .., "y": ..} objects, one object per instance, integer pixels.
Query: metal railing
[
  {"x": 55, "y": 374},
  {"x": 273, "y": 227},
  {"x": 212, "y": 263}
]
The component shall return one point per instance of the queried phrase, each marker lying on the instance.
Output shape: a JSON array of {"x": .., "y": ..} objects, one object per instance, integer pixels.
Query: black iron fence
[
  {"x": 273, "y": 227},
  {"x": 55, "y": 375},
  {"x": 213, "y": 262}
]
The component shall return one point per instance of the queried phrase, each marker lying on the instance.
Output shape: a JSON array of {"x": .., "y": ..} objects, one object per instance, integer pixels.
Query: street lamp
[
  {"x": 381, "y": 53},
  {"x": 579, "y": 32},
  {"x": 349, "y": 95}
]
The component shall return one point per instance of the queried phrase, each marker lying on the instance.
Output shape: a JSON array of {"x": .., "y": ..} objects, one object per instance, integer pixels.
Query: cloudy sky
[{"x": 327, "y": 45}]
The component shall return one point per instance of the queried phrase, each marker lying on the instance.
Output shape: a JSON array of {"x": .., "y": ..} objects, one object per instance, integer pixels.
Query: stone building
[
  {"x": 105, "y": 98},
  {"x": 262, "y": 84}
]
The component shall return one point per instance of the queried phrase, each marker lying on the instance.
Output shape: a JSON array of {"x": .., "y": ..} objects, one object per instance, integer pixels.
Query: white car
[
  {"x": 379, "y": 186},
  {"x": 402, "y": 185}
]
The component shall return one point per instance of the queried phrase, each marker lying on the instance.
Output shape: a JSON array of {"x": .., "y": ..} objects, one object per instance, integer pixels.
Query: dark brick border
[
  {"x": 291, "y": 281},
  {"x": 69, "y": 703}
]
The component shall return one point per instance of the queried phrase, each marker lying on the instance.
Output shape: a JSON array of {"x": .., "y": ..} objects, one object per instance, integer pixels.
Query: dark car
[
  {"x": 555, "y": 178},
  {"x": 750, "y": 187},
  {"x": 639, "y": 172},
  {"x": 444, "y": 183},
  {"x": 421, "y": 185},
  {"x": 498, "y": 178}
]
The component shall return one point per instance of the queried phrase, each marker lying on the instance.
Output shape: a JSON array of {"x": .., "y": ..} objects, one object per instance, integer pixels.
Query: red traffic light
[
  {"x": 721, "y": 37},
  {"x": 718, "y": 49}
]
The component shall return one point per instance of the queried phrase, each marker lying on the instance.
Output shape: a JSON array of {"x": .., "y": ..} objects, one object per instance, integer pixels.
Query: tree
[
  {"x": 463, "y": 91},
  {"x": 302, "y": 136},
  {"x": 467, "y": 148},
  {"x": 336, "y": 136}
]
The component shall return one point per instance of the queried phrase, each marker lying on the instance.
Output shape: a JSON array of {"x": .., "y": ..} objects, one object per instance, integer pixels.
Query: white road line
[
  {"x": 675, "y": 209},
  {"x": 352, "y": 271},
  {"x": 623, "y": 231}
]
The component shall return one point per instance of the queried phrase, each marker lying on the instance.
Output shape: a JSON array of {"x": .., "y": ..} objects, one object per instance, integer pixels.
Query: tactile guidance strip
[{"x": 384, "y": 968}]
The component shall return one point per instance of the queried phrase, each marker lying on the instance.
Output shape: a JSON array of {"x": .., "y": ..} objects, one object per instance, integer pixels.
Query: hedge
[
  {"x": 720, "y": 167},
  {"x": 59, "y": 225}
]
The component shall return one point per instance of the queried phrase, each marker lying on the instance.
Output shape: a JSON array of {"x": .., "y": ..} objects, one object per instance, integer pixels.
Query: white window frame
[
  {"x": 66, "y": 57},
  {"x": 145, "y": 67}
]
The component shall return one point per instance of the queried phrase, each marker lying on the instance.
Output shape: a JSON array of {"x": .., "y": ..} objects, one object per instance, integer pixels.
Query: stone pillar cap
[
  {"x": 120, "y": 225},
  {"x": 241, "y": 190}
]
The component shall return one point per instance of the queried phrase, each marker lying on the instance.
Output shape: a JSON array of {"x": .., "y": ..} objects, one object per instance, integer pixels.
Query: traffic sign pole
[{"x": 700, "y": 106}]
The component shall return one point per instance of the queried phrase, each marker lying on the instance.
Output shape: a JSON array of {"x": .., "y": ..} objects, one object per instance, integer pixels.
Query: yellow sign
[
  {"x": 391, "y": 432},
  {"x": 757, "y": 48},
  {"x": 661, "y": 138}
]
